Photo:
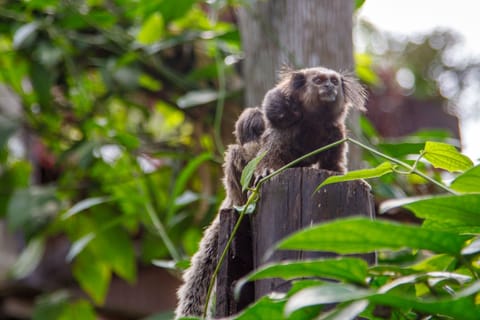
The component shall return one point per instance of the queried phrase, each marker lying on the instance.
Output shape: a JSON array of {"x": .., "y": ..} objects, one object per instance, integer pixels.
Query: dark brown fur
[
  {"x": 306, "y": 111},
  {"x": 193, "y": 293}
]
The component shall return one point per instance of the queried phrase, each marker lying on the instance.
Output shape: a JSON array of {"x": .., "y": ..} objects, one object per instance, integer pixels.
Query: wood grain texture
[
  {"x": 288, "y": 204},
  {"x": 237, "y": 264}
]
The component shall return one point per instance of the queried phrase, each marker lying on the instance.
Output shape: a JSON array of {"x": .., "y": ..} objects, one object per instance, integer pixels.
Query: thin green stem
[
  {"x": 152, "y": 213},
  {"x": 251, "y": 199},
  {"x": 160, "y": 228},
  {"x": 296, "y": 161},
  {"x": 403, "y": 164}
]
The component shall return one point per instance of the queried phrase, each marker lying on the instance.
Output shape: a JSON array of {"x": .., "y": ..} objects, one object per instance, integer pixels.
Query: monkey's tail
[{"x": 192, "y": 294}]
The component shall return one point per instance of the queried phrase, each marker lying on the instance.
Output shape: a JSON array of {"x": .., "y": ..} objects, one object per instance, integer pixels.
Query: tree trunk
[{"x": 299, "y": 33}]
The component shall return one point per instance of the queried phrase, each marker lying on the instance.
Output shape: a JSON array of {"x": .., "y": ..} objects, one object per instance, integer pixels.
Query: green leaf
[
  {"x": 359, "y": 4},
  {"x": 264, "y": 308},
  {"x": 249, "y": 170},
  {"x": 85, "y": 204},
  {"x": 78, "y": 246},
  {"x": 182, "y": 179},
  {"x": 31, "y": 209},
  {"x": 461, "y": 306},
  {"x": 361, "y": 235},
  {"x": 469, "y": 181},
  {"x": 445, "y": 156},
  {"x": 50, "y": 306},
  {"x": 462, "y": 208},
  {"x": 25, "y": 35},
  {"x": 81, "y": 310},
  {"x": 349, "y": 311},
  {"x": 472, "y": 248},
  {"x": 380, "y": 170},
  {"x": 114, "y": 247},
  {"x": 325, "y": 294},
  {"x": 250, "y": 209},
  {"x": 152, "y": 29},
  {"x": 93, "y": 276},
  {"x": 348, "y": 269},
  {"x": 198, "y": 97},
  {"x": 172, "y": 10},
  {"x": 42, "y": 80},
  {"x": 29, "y": 259}
]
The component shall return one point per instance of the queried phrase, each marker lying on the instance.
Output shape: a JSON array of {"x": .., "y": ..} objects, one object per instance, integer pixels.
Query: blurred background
[{"x": 114, "y": 116}]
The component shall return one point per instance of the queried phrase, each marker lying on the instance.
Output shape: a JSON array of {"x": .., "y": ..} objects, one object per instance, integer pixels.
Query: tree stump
[{"x": 287, "y": 204}]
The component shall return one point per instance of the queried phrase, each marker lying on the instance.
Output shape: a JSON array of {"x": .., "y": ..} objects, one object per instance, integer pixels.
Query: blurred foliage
[
  {"x": 425, "y": 65},
  {"x": 113, "y": 139},
  {"x": 112, "y": 134}
]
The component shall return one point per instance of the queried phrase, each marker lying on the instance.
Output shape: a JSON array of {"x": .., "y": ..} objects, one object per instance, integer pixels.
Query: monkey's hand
[{"x": 280, "y": 109}]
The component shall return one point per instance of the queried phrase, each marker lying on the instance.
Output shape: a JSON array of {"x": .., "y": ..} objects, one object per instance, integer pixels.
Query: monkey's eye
[
  {"x": 317, "y": 80},
  {"x": 334, "y": 81}
]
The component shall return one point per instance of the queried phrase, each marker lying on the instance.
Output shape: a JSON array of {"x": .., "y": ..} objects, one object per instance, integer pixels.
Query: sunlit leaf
[
  {"x": 114, "y": 247},
  {"x": 445, "y": 156},
  {"x": 195, "y": 98},
  {"x": 152, "y": 29},
  {"x": 78, "y": 246},
  {"x": 325, "y": 294},
  {"x": 249, "y": 170},
  {"x": 345, "y": 268},
  {"x": 42, "y": 81},
  {"x": 81, "y": 310},
  {"x": 359, "y": 4},
  {"x": 25, "y": 35},
  {"x": 469, "y": 181},
  {"x": 93, "y": 276},
  {"x": 85, "y": 204},
  {"x": 361, "y": 235},
  {"x": 461, "y": 208},
  {"x": 264, "y": 308},
  {"x": 50, "y": 306},
  {"x": 348, "y": 311},
  {"x": 29, "y": 259},
  {"x": 473, "y": 247},
  {"x": 461, "y": 306},
  {"x": 380, "y": 170},
  {"x": 348, "y": 269}
]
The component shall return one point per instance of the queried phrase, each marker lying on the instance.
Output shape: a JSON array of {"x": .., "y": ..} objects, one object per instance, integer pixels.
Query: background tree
[{"x": 301, "y": 34}]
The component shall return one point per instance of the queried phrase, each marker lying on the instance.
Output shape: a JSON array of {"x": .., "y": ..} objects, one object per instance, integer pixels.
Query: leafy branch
[{"x": 439, "y": 154}]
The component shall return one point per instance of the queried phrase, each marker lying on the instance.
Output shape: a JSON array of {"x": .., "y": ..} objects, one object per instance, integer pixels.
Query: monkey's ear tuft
[
  {"x": 285, "y": 71},
  {"x": 298, "y": 79},
  {"x": 355, "y": 93}
]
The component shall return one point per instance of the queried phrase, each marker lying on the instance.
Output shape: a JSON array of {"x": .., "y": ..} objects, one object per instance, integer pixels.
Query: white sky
[{"x": 414, "y": 16}]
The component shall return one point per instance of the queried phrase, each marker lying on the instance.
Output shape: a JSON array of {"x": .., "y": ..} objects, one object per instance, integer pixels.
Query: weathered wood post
[{"x": 287, "y": 203}]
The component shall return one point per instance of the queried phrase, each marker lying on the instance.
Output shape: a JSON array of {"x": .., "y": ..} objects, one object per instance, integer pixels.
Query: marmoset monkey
[
  {"x": 193, "y": 293},
  {"x": 303, "y": 112}
]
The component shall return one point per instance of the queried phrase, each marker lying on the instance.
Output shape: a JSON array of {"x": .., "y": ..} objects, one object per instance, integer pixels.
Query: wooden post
[
  {"x": 287, "y": 204},
  {"x": 237, "y": 264}
]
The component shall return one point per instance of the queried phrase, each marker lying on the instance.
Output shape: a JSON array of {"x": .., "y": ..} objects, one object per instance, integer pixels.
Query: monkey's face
[{"x": 319, "y": 88}]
